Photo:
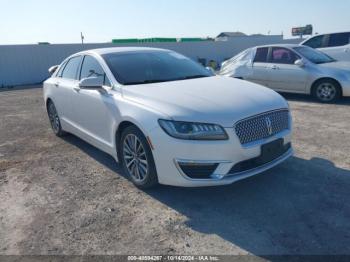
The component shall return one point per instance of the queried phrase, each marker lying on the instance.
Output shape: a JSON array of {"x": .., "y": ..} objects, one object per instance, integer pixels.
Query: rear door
[
  {"x": 64, "y": 82},
  {"x": 260, "y": 67},
  {"x": 338, "y": 46}
]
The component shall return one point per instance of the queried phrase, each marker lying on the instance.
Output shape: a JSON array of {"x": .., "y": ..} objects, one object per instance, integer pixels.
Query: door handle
[
  {"x": 57, "y": 84},
  {"x": 274, "y": 67},
  {"x": 346, "y": 50}
]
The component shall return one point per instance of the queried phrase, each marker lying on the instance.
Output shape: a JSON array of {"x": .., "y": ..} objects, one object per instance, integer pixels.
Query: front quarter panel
[
  {"x": 317, "y": 72},
  {"x": 145, "y": 118},
  {"x": 341, "y": 53}
]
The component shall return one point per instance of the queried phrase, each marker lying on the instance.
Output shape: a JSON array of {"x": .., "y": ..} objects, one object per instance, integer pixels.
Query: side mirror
[
  {"x": 210, "y": 69},
  {"x": 299, "y": 63},
  {"x": 53, "y": 69},
  {"x": 91, "y": 83}
]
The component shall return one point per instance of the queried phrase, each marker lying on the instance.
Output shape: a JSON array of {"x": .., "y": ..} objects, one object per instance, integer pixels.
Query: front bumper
[
  {"x": 169, "y": 152},
  {"x": 345, "y": 88}
]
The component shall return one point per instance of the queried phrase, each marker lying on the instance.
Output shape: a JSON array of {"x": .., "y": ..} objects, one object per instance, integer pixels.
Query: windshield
[
  {"x": 144, "y": 67},
  {"x": 314, "y": 55}
]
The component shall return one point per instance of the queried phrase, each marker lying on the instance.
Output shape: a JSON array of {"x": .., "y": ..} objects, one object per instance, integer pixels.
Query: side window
[
  {"x": 281, "y": 55},
  {"x": 70, "y": 71},
  {"x": 340, "y": 39},
  {"x": 261, "y": 55},
  {"x": 92, "y": 68},
  {"x": 316, "y": 42},
  {"x": 59, "y": 73}
]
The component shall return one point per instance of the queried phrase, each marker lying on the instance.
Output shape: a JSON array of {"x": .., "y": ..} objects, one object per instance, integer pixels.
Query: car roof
[
  {"x": 307, "y": 39},
  {"x": 111, "y": 50},
  {"x": 341, "y": 32}
]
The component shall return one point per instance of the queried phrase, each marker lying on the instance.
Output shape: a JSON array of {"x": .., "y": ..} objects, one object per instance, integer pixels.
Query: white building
[{"x": 239, "y": 36}]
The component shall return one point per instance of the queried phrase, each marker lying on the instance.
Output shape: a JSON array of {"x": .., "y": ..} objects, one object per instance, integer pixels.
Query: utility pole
[{"x": 82, "y": 38}]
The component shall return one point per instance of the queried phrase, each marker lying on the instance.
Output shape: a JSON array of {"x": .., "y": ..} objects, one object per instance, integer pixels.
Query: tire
[
  {"x": 326, "y": 91},
  {"x": 54, "y": 119},
  {"x": 136, "y": 158}
]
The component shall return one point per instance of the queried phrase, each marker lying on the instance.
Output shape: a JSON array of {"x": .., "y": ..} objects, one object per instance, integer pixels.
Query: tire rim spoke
[
  {"x": 135, "y": 144},
  {"x": 143, "y": 168},
  {"x": 127, "y": 149},
  {"x": 139, "y": 148},
  {"x": 326, "y": 91},
  {"x": 144, "y": 162},
  {"x": 142, "y": 171},
  {"x": 142, "y": 155},
  {"x": 127, "y": 157},
  {"x": 130, "y": 163},
  {"x": 136, "y": 169}
]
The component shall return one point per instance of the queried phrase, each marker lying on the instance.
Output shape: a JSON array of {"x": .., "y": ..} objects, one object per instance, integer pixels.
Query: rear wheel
[
  {"x": 54, "y": 119},
  {"x": 137, "y": 159},
  {"x": 326, "y": 91}
]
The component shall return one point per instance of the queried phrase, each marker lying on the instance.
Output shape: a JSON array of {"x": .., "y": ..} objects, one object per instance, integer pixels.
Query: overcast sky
[{"x": 61, "y": 21}]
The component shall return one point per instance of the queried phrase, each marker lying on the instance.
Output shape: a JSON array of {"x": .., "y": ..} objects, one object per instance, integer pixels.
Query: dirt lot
[{"x": 62, "y": 196}]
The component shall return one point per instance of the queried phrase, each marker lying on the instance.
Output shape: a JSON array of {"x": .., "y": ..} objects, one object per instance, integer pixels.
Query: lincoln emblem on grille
[{"x": 268, "y": 125}]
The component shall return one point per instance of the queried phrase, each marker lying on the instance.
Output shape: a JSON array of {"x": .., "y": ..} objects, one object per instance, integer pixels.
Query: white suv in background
[{"x": 336, "y": 45}]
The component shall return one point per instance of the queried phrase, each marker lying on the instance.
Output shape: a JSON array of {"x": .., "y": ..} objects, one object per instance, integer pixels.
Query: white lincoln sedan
[{"x": 167, "y": 119}]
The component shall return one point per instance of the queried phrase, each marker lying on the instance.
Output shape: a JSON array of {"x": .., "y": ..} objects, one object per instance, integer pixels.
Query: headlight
[{"x": 193, "y": 131}]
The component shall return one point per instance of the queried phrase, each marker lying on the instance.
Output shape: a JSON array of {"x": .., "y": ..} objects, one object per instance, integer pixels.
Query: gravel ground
[{"x": 63, "y": 196}]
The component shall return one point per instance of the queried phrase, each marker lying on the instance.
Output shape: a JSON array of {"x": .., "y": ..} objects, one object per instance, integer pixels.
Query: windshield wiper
[
  {"x": 325, "y": 62},
  {"x": 148, "y": 81},
  {"x": 194, "y": 76}
]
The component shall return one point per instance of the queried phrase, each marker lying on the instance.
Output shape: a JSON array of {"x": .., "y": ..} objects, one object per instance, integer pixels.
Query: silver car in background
[{"x": 292, "y": 68}]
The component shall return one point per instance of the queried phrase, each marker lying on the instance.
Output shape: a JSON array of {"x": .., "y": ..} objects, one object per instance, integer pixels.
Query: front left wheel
[{"x": 136, "y": 158}]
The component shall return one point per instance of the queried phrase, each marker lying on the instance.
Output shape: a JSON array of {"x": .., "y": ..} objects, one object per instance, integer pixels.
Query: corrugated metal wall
[{"x": 28, "y": 64}]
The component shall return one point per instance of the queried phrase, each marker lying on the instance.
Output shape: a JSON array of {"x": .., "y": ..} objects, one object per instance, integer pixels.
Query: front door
[
  {"x": 95, "y": 111},
  {"x": 283, "y": 74}
]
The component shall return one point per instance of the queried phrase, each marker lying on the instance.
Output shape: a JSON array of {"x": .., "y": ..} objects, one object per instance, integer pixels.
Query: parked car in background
[
  {"x": 292, "y": 68},
  {"x": 336, "y": 45},
  {"x": 166, "y": 118}
]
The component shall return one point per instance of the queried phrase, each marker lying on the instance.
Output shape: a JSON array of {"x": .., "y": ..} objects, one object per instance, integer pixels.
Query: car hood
[
  {"x": 219, "y": 100},
  {"x": 343, "y": 65}
]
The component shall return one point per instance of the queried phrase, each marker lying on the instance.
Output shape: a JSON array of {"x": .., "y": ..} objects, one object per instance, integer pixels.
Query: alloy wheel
[
  {"x": 135, "y": 158},
  {"x": 326, "y": 92}
]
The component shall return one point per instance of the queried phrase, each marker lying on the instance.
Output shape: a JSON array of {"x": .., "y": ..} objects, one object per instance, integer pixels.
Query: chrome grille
[{"x": 262, "y": 126}]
